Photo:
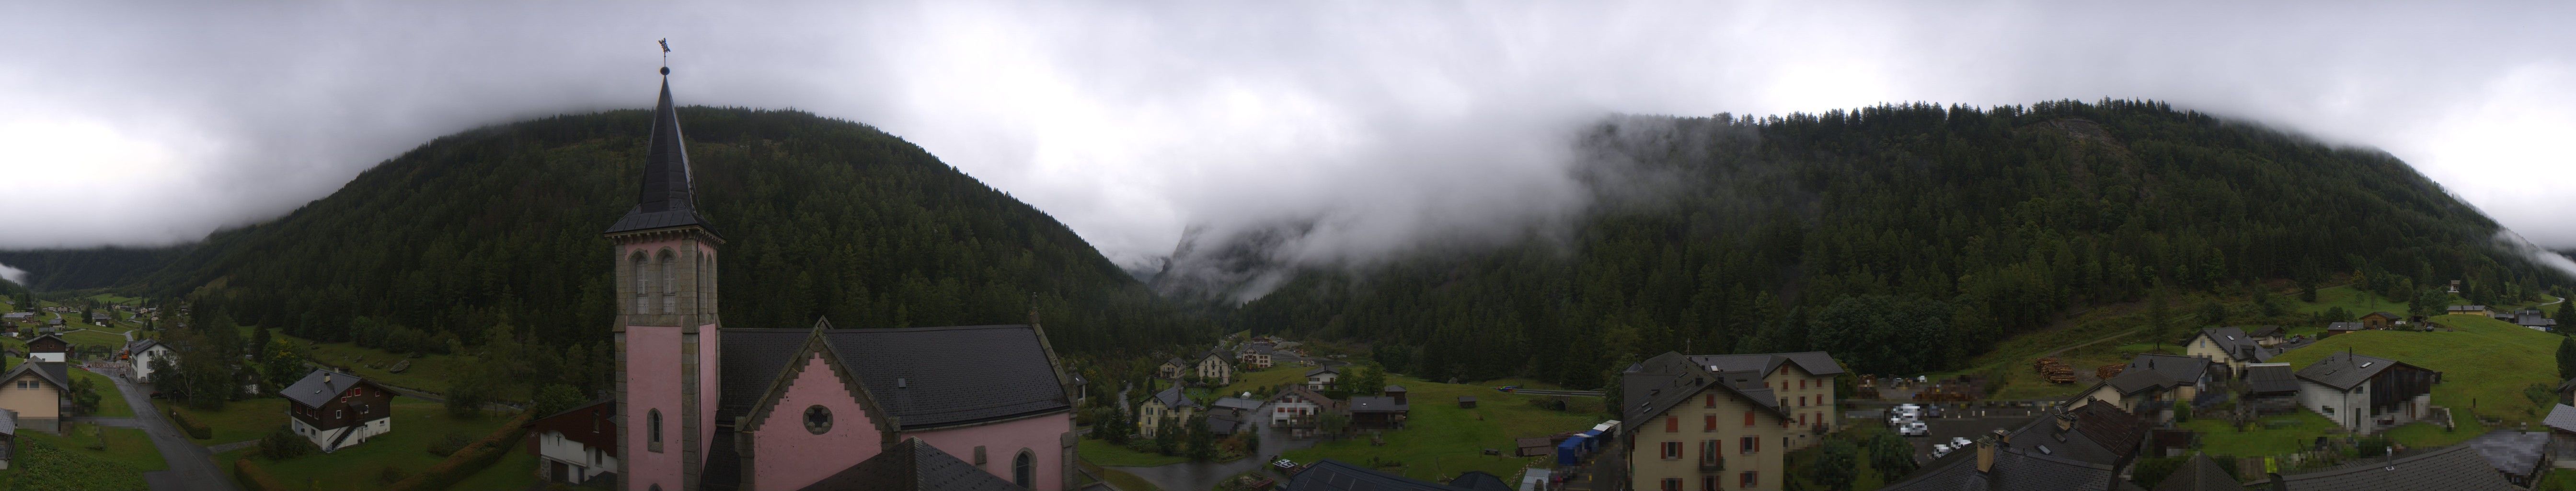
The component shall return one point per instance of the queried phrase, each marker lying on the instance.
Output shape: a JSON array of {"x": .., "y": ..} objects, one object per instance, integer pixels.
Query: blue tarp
[{"x": 1571, "y": 452}]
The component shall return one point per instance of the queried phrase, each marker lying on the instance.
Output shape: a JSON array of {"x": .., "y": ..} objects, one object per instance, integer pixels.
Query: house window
[
  {"x": 1802, "y": 401},
  {"x": 670, "y": 278},
  {"x": 1749, "y": 445},
  {"x": 1748, "y": 480},
  {"x": 1672, "y": 450},
  {"x": 653, "y": 428},
  {"x": 1707, "y": 483},
  {"x": 1024, "y": 469},
  {"x": 1672, "y": 484},
  {"x": 643, "y": 284}
]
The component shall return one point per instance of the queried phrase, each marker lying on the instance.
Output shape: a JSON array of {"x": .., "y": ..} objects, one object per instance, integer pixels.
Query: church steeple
[{"x": 668, "y": 198}]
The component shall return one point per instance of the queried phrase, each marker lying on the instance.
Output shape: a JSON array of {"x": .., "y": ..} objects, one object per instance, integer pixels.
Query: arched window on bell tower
[
  {"x": 670, "y": 284},
  {"x": 643, "y": 284},
  {"x": 706, "y": 294}
]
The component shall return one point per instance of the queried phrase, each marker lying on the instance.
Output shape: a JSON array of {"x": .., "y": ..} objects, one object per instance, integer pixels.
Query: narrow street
[
  {"x": 192, "y": 467},
  {"x": 1205, "y": 475}
]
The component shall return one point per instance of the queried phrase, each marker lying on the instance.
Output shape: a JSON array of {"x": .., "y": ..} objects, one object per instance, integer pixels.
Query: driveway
[
  {"x": 192, "y": 468},
  {"x": 1191, "y": 476}
]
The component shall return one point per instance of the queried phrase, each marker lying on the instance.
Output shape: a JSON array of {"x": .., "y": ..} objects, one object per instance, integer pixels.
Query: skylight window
[{"x": 2365, "y": 364}]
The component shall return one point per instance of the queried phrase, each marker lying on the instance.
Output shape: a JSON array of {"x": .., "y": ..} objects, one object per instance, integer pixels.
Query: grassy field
[
  {"x": 128, "y": 446},
  {"x": 417, "y": 423},
  {"x": 428, "y": 372},
  {"x": 1441, "y": 440},
  {"x": 241, "y": 420},
  {"x": 1102, "y": 452},
  {"x": 38, "y": 463},
  {"x": 517, "y": 470},
  {"x": 1256, "y": 382},
  {"x": 2484, "y": 360},
  {"x": 2297, "y": 431},
  {"x": 111, "y": 404},
  {"x": 94, "y": 338},
  {"x": 2352, "y": 300},
  {"x": 1120, "y": 480}
]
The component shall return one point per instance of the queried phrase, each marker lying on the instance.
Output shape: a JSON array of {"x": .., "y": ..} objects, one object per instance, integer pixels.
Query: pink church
[{"x": 705, "y": 407}]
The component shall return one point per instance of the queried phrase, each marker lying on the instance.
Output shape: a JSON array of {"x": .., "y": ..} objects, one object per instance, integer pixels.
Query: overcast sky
[{"x": 151, "y": 124}]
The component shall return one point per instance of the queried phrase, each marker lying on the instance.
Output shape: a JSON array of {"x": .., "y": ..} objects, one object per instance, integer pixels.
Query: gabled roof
[
  {"x": 1177, "y": 362},
  {"x": 1172, "y": 398},
  {"x": 1323, "y": 369},
  {"x": 2452, "y": 468},
  {"x": 925, "y": 376},
  {"x": 2155, "y": 371},
  {"x": 2343, "y": 326},
  {"x": 33, "y": 340},
  {"x": 2271, "y": 378},
  {"x": 51, "y": 371},
  {"x": 2344, "y": 370},
  {"x": 1657, "y": 384},
  {"x": 1335, "y": 475},
  {"x": 2511, "y": 452},
  {"x": 2385, "y": 314},
  {"x": 1814, "y": 362},
  {"x": 2561, "y": 418},
  {"x": 2200, "y": 474},
  {"x": 2102, "y": 434},
  {"x": 1230, "y": 402},
  {"x": 1301, "y": 391},
  {"x": 1376, "y": 404},
  {"x": 2467, "y": 308},
  {"x": 1479, "y": 481},
  {"x": 319, "y": 387},
  {"x": 141, "y": 345},
  {"x": 668, "y": 198},
  {"x": 913, "y": 466},
  {"x": 2269, "y": 331},
  {"x": 2231, "y": 340}
]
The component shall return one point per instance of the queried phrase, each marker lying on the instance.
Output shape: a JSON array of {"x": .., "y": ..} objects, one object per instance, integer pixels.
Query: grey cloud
[{"x": 1384, "y": 126}]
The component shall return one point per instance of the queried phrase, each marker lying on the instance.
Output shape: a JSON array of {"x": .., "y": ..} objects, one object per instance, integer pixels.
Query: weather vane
[{"x": 666, "y": 55}]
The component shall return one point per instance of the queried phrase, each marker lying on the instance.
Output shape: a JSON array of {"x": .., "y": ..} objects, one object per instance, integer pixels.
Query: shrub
[
  {"x": 448, "y": 445},
  {"x": 283, "y": 444},
  {"x": 392, "y": 474},
  {"x": 255, "y": 478},
  {"x": 196, "y": 429},
  {"x": 470, "y": 459}
]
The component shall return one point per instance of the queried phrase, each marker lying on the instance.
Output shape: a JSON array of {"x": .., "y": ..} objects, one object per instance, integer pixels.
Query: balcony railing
[{"x": 1712, "y": 464}]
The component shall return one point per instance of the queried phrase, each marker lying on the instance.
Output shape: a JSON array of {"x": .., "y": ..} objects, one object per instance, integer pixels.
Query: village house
[
  {"x": 2366, "y": 394},
  {"x": 1255, "y": 360},
  {"x": 8, "y": 437},
  {"x": 2561, "y": 423},
  {"x": 1803, "y": 381},
  {"x": 2230, "y": 346},
  {"x": 2151, "y": 384},
  {"x": 1214, "y": 369},
  {"x": 706, "y": 407},
  {"x": 2452, "y": 468},
  {"x": 2084, "y": 446},
  {"x": 141, "y": 353},
  {"x": 1386, "y": 412},
  {"x": 2468, "y": 310},
  {"x": 35, "y": 392},
  {"x": 2533, "y": 319},
  {"x": 336, "y": 410},
  {"x": 2521, "y": 457},
  {"x": 2270, "y": 335},
  {"x": 1296, "y": 406},
  {"x": 2270, "y": 388},
  {"x": 100, "y": 318},
  {"x": 1168, "y": 408},
  {"x": 1697, "y": 428},
  {"x": 2381, "y": 320},
  {"x": 1323, "y": 378},
  {"x": 49, "y": 348},
  {"x": 1172, "y": 369},
  {"x": 2091, "y": 433},
  {"x": 1236, "y": 408},
  {"x": 576, "y": 445}
]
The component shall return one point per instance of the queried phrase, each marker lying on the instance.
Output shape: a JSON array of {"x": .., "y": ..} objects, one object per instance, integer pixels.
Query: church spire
[{"x": 668, "y": 198}]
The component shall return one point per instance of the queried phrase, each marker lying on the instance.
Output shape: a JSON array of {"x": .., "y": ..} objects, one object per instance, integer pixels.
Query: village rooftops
[
  {"x": 317, "y": 388},
  {"x": 1376, "y": 404},
  {"x": 2099, "y": 433},
  {"x": 2344, "y": 370},
  {"x": 927, "y": 376},
  {"x": 52, "y": 371},
  {"x": 2154, "y": 371},
  {"x": 2561, "y": 418},
  {"x": 2270, "y": 331},
  {"x": 2452, "y": 468},
  {"x": 2467, "y": 308},
  {"x": 1323, "y": 370},
  {"x": 1237, "y": 403},
  {"x": 2343, "y": 326},
  {"x": 2012, "y": 470},
  {"x": 141, "y": 345},
  {"x": 1172, "y": 398},
  {"x": 1657, "y": 384},
  {"x": 913, "y": 466},
  {"x": 2511, "y": 452},
  {"x": 1813, "y": 362},
  {"x": 2270, "y": 378}
]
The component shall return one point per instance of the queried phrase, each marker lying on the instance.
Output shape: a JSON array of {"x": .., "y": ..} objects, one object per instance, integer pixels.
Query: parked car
[{"x": 1915, "y": 428}]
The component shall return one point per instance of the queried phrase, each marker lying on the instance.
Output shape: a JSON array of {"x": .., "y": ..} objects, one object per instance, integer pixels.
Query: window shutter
[
  {"x": 1748, "y": 419},
  {"x": 1672, "y": 424}
]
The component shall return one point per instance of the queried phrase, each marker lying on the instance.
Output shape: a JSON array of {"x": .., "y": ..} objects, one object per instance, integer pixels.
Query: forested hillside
[
  {"x": 1920, "y": 231},
  {"x": 76, "y": 269},
  {"x": 501, "y": 225}
]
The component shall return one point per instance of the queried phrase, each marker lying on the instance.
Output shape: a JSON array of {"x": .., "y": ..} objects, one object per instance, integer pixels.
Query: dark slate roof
[
  {"x": 51, "y": 371},
  {"x": 313, "y": 391},
  {"x": 1814, "y": 362},
  {"x": 33, "y": 340},
  {"x": 2271, "y": 379},
  {"x": 2180, "y": 369},
  {"x": 723, "y": 471},
  {"x": 1335, "y": 475},
  {"x": 1376, "y": 404},
  {"x": 2511, "y": 452},
  {"x": 913, "y": 466},
  {"x": 2343, "y": 326},
  {"x": 2452, "y": 468},
  {"x": 2231, "y": 340},
  {"x": 1172, "y": 398},
  {"x": 668, "y": 198},
  {"x": 2103, "y": 434},
  {"x": 1317, "y": 370},
  {"x": 1657, "y": 384},
  {"x": 2015, "y": 470},
  {"x": 2386, "y": 314},
  {"x": 1237, "y": 403},
  {"x": 2200, "y": 474},
  {"x": 1479, "y": 481},
  {"x": 950, "y": 375},
  {"x": 140, "y": 345},
  {"x": 2343, "y": 370},
  {"x": 2561, "y": 418},
  {"x": 2132, "y": 382},
  {"x": 2270, "y": 331}
]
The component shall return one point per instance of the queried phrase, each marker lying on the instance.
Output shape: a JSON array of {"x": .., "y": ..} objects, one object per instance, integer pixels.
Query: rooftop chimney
[{"x": 1986, "y": 453}]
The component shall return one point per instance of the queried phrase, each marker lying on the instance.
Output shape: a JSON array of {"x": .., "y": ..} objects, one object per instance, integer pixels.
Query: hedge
[
  {"x": 255, "y": 478},
  {"x": 471, "y": 459},
  {"x": 195, "y": 429}
]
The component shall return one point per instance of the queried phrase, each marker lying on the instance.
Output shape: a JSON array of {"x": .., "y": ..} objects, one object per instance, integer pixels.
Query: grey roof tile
[
  {"x": 2511, "y": 452},
  {"x": 2271, "y": 379},
  {"x": 317, "y": 388},
  {"x": 2200, "y": 474},
  {"x": 668, "y": 198},
  {"x": 954, "y": 375},
  {"x": 2452, "y": 468},
  {"x": 2561, "y": 418},
  {"x": 913, "y": 466},
  {"x": 2343, "y": 370},
  {"x": 751, "y": 359}
]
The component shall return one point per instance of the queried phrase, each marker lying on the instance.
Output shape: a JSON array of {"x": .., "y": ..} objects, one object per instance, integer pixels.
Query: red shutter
[
  {"x": 1748, "y": 419},
  {"x": 1712, "y": 422},
  {"x": 1673, "y": 424},
  {"x": 1711, "y": 402}
]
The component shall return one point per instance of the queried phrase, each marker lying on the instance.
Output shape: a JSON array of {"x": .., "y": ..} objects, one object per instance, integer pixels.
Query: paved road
[
  {"x": 1566, "y": 393},
  {"x": 192, "y": 468},
  {"x": 1205, "y": 475}
]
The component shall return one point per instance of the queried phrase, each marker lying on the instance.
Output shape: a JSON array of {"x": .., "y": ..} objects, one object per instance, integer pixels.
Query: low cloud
[{"x": 14, "y": 275}]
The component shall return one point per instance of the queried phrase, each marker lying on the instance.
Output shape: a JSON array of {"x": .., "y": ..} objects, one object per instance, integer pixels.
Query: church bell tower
[{"x": 666, "y": 332}]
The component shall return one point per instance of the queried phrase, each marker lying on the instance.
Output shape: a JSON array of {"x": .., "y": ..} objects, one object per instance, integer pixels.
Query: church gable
[{"x": 813, "y": 425}]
